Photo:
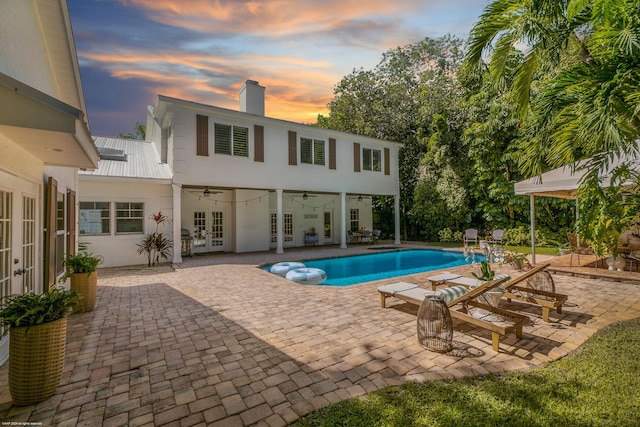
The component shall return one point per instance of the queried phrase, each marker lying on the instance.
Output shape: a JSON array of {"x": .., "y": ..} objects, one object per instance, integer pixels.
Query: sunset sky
[{"x": 204, "y": 50}]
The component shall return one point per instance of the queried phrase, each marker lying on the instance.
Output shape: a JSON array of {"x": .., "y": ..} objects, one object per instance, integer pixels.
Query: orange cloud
[{"x": 273, "y": 18}]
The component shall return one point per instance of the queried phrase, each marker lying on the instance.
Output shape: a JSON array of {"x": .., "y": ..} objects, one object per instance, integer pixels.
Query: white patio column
[
  {"x": 343, "y": 220},
  {"x": 396, "y": 213},
  {"x": 279, "y": 223},
  {"x": 532, "y": 209},
  {"x": 177, "y": 222}
]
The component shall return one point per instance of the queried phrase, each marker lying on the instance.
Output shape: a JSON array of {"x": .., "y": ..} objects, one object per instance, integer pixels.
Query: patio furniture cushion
[
  {"x": 451, "y": 293},
  {"x": 392, "y": 288}
]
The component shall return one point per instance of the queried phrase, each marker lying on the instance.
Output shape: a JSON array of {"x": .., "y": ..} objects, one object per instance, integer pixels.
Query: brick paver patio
[{"x": 216, "y": 341}]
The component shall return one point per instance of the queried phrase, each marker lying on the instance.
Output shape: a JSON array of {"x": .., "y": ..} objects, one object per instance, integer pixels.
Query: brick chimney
[{"x": 252, "y": 98}]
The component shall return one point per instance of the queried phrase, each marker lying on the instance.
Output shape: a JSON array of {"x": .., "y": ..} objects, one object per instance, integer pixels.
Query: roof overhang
[{"x": 46, "y": 127}]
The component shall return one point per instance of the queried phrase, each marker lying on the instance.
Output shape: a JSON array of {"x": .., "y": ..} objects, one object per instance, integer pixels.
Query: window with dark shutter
[
  {"x": 356, "y": 157},
  {"x": 387, "y": 162},
  {"x": 306, "y": 155},
  {"x": 240, "y": 141},
  {"x": 258, "y": 143},
  {"x": 293, "y": 153},
  {"x": 376, "y": 160},
  {"x": 332, "y": 153},
  {"x": 318, "y": 152},
  {"x": 366, "y": 159},
  {"x": 222, "y": 138},
  {"x": 202, "y": 135}
]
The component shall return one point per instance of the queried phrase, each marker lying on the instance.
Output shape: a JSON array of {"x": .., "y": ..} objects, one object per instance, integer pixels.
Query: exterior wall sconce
[
  {"x": 360, "y": 198},
  {"x": 206, "y": 192}
]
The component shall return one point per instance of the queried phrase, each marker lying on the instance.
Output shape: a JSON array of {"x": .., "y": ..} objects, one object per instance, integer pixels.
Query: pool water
[{"x": 345, "y": 271}]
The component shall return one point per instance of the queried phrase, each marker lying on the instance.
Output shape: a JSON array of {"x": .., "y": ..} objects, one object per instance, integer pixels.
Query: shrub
[
  {"x": 445, "y": 235},
  {"x": 518, "y": 236}
]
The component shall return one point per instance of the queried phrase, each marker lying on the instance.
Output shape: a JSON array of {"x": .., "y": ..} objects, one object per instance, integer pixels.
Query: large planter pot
[
  {"x": 86, "y": 286},
  {"x": 36, "y": 360}
]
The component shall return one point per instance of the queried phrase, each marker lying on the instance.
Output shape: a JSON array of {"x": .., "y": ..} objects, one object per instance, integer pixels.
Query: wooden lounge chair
[
  {"x": 459, "y": 299},
  {"x": 528, "y": 289},
  {"x": 535, "y": 287}
]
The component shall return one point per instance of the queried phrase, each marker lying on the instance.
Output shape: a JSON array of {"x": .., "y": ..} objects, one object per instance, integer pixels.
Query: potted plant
[
  {"x": 81, "y": 268},
  {"x": 517, "y": 260},
  {"x": 486, "y": 272},
  {"x": 37, "y": 342}
]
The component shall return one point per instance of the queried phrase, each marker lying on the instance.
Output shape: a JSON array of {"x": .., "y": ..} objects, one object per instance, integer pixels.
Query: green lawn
[
  {"x": 598, "y": 385},
  {"x": 520, "y": 249}
]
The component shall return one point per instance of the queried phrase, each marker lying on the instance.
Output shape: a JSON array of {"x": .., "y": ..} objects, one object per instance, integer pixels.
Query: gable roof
[{"x": 129, "y": 158}]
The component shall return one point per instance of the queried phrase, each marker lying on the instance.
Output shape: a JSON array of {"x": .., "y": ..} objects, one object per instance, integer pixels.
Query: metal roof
[{"x": 140, "y": 159}]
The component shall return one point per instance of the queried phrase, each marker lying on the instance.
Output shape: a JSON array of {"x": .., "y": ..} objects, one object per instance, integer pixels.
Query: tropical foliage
[
  {"x": 543, "y": 84},
  {"x": 31, "y": 309},
  {"x": 156, "y": 245},
  {"x": 578, "y": 82},
  {"x": 459, "y": 159}
]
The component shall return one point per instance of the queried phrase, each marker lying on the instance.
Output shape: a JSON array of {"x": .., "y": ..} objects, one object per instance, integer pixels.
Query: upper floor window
[
  {"x": 312, "y": 151},
  {"x": 371, "y": 159},
  {"x": 232, "y": 140},
  {"x": 129, "y": 217}
]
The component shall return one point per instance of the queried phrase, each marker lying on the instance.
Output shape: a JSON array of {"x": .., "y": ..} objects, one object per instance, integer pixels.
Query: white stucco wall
[
  {"x": 23, "y": 51},
  {"x": 121, "y": 249},
  {"x": 251, "y": 221}
]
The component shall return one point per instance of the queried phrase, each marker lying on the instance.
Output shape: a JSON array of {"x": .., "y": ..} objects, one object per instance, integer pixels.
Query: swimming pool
[{"x": 345, "y": 271}]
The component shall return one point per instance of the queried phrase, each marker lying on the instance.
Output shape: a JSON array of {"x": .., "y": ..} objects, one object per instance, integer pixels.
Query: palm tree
[{"x": 578, "y": 83}]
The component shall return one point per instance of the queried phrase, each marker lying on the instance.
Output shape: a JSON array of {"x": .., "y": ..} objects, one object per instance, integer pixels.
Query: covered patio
[
  {"x": 563, "y": 182},
  {"x": 217, "y": 341}
]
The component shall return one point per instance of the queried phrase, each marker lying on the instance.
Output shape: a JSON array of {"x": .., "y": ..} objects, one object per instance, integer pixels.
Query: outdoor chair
[
  {"x": 470, "y": 236},
  {"x": 496, "y": 236},
  {"x": 352, "y": 237},
  {"x": 578, "y": 249},
  {"x": 375, "y": 236},
  {"x": 460, "y": 301}
]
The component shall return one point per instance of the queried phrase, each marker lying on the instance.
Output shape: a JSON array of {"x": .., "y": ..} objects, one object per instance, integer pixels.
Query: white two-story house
[{"x": 240, "y": 181}]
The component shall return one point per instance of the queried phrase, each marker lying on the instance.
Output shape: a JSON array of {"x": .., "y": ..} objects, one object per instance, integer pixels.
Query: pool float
[
  {"x": 307, "y": 276},
  {"x": 282, "y": 268}
]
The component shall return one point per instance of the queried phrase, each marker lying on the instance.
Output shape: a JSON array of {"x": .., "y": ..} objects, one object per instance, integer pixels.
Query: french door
[
  {"x": 18, "y": 242},
  {"x": 208, "y": 231}
]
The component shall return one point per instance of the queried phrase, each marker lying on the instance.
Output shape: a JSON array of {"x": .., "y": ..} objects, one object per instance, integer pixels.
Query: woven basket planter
[
  {"x": 86, "y": 286},
  {"x": 36, "y": 360}
]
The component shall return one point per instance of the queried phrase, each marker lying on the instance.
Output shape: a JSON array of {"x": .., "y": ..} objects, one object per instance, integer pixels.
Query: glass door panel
[
  {"x": 28, "y": 243},
  {"x": 5, "y": 248},
  {"x": 217, "y": 229},
  {"x": 199, "y": 230},
  {"x": 328, "y": 227}
]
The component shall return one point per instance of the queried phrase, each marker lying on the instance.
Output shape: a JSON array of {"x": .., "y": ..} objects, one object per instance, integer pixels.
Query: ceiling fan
[{"x": 207, "y": 192}]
